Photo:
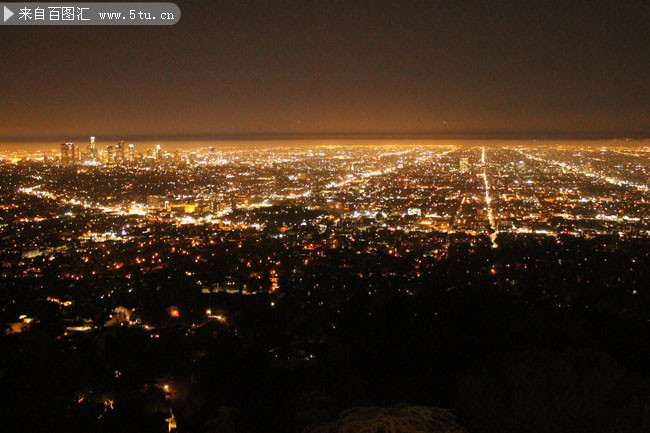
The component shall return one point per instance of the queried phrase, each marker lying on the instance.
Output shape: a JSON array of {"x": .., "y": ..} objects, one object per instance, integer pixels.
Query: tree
[{"x": 397, "y": 419}]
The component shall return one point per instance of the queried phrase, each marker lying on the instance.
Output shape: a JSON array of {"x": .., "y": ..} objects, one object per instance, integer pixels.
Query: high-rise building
[
  {"x": 131, "y": 152},
  {"x": 110, "y": 154},
  {"x": 65, "y": 151},
  {"x": 92, "y": 149},
  {"x": 68, "y": 153},
  {"x": 120, "y": 151},
  {"x": 158, "y": 152}
]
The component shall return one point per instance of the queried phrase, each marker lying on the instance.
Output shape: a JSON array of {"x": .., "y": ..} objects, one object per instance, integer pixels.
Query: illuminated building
[
  {"x": 158, "y": 152},
  {"x": 131, "y": 152},
  {"x": 463, "y": 165},
  {"x": 65, "y": 151},
  {"x": 120, "y": 151},
  {"x": 92, "y": 149},
  {"x": 218, "y": 206},
  {"x": 68, "y": 153},
  {"x": 182, "y": 208},
  {"x": 155, "y": 201},
  {"x": 110, "y": 154}
]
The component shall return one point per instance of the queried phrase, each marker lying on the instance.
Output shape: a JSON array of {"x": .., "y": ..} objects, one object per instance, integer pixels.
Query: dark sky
[{"x": 254, "y": 68}]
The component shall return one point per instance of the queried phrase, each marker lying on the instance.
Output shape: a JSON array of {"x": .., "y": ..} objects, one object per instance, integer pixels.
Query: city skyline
[{"x": 30, "y": 147}]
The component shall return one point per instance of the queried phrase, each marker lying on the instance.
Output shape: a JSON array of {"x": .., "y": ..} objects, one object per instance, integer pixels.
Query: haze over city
[{"x": 233, "y": 69}]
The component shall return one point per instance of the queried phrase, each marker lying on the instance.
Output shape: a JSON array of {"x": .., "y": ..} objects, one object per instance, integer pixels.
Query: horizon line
[{"x": 550, "y": 135}]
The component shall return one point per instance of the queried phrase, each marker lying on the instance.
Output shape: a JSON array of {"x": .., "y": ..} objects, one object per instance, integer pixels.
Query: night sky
[{"x": 332, "y": 68}]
